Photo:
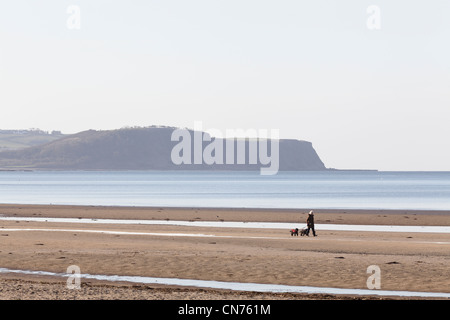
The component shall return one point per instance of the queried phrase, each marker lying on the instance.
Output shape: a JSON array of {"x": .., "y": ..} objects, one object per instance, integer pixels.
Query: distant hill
[
  {"x": 140, "y": 149},
  {"x": 20, "y": 139}
]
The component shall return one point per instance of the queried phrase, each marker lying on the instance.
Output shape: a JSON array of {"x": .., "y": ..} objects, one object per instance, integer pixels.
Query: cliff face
[{"x": 154, "y": 148}]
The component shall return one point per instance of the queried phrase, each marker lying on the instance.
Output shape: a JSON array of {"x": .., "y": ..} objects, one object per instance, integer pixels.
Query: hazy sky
[{"x": 377, "y": 99}]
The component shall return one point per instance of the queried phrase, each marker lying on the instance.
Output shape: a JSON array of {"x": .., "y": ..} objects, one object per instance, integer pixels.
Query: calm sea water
[{"x": 315, "y": 190}]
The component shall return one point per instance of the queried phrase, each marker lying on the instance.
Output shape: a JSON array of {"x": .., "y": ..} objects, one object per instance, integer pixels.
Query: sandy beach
[{"x": 338, "y": 259}]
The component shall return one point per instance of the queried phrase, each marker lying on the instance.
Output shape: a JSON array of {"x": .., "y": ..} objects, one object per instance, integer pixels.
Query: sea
[{"x": 226, "y": 189}]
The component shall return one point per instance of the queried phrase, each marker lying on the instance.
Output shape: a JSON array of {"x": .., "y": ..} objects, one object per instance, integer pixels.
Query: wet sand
[{"x": 409, "y": 262}]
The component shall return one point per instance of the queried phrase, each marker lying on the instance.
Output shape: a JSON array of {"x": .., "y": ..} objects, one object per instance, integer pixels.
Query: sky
[{"x": 370, "y": 90}]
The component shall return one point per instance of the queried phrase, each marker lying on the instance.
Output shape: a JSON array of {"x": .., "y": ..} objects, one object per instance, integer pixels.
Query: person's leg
[{"x": 314, "y": 231}]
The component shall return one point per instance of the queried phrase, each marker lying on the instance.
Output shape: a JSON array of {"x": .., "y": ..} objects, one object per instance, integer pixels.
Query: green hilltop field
[{"x": 21, "y": 139}]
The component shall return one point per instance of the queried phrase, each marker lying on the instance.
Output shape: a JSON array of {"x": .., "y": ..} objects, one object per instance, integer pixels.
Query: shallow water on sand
[
  {"x": 257, "y": 287},
  {"x": 234, "y": 224}
]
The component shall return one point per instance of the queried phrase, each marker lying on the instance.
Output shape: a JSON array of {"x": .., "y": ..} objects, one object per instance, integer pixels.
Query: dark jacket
[{"x": 310, "y": 221}]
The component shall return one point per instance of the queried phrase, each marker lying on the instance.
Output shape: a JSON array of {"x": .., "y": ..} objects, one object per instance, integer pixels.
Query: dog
[
  {"x": 303, "y": 232},
  {"x": 294, "y": 232}
]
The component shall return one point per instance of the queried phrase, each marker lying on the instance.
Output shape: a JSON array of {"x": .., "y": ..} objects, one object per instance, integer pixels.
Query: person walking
[{"x": 310, "y": 223}]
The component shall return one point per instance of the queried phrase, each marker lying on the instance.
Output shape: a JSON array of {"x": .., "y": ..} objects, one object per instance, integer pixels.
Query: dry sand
[{"x": 410, "y": 262}]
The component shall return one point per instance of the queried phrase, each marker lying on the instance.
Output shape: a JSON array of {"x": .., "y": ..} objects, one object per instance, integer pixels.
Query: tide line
[
  {"x": 195, "y": 235},
  {"x": 237, "y": 224},
  {"x": 237, "y": 286}
]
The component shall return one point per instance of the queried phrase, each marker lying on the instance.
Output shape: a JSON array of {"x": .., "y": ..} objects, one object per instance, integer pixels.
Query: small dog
[
  {"x": 303, "y": 232},
  {"x": 294, "y": 232}
]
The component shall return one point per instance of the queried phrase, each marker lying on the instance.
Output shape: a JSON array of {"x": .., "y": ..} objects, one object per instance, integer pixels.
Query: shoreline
[
  {"x": 239, "y": 288},
  {"x": 322, "y": 216},
  {"x": 336, "y": 258},
  {"x": 250, "y": 209}
]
